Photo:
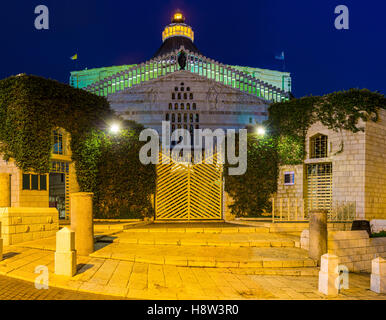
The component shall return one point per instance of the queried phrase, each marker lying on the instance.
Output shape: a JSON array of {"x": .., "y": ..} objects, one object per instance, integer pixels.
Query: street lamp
[
  {"x": 260, "y": 131},
  {"x": 114, "y": 128}
]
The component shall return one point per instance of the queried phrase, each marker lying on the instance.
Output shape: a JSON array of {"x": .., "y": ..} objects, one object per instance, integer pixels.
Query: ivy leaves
[
  {"x": 337, "y": 111},
  {"x": 31, "y": 107}
]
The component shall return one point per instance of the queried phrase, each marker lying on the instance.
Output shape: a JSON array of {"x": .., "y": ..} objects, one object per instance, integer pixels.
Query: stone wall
[
  {"x": 26, "y": 224},
  {"x": 358, "y": 168},
  {"x": 290, "y": 191},
  {"x": 355, "y": 249},
  {"x": 375, "y": 173},
  {"x": 346, "y": 152},
  {"x": 20, "y": 197}
]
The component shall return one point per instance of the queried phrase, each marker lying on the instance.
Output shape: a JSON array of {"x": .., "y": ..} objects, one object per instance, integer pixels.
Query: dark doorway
[{"x": 57, "y": 193}]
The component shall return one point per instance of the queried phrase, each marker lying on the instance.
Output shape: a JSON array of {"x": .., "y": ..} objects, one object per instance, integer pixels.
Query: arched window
[
  {"x": 170, "y": 106},
  {"x": 197, "y": 117},
  {"x": 188, "y": 106},
  {"x": 179, "y": 117},
  {"x": 191, "y": 117},
  {"x": 185, "y": 117},
  {"x": 173, "y": 117},
  {"x": 182, "y": 88},
  {"x": 173, "y": 96},
  {"x": 167, "y": 117},
  {"x": 191, "y": 96},
  {"x": 318, "y": 146},
  {"x": 176, "y": 106},
  {"x": 185, "y": 96},
  {"x": 188, "y": 89},
  {"x": 179, "y": 96},
  {"x": 182, "y": 106},
  {"x": 194, "y": 106},
  {"x": 58, "y": 142},
  {"x": 175, "y": 88}
]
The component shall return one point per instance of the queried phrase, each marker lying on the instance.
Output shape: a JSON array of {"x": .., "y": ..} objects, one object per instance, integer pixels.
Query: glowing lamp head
[
  {"x": 114, "y": 128},
  {"x": 260, "y": 131},
  {"x": 178, "y": 17}
]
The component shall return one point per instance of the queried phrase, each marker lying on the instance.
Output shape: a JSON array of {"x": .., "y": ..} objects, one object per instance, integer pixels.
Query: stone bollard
[
  {"x": 328, "y": 274},
  {"x": 1, "y": 245},
  {"x": 378, "y": 275},
  {"x": 5, "y": 190},
  {"x": 318, "y": 234},
  {"x": 65, "y": 255},
  {"x": 82, "y": 222}
]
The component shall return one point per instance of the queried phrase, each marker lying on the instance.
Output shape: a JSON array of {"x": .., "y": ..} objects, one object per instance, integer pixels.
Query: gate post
[
  {"x": 82, "y": 222},
  {"x": 318, "y": 234}
]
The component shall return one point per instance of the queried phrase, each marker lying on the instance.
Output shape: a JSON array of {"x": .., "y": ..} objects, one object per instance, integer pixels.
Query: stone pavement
[
  {"x": 14, "y": 289},
  {"x": 138, "y": 280}
]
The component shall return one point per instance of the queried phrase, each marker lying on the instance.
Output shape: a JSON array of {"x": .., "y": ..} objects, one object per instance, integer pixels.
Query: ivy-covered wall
[
  {"x": 284, "y": 143},
  {"x": 31, "y": 107}
]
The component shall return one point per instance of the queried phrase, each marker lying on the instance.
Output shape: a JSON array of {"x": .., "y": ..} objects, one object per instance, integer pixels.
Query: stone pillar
[
  {"x": 1, "y": 245},
  {"x": 328, "y": 275},
  {"x": 82, "y": 222},
  {"x": 318, "y": 234},
  {"x": 65, "y": 255},
  {"x": 5, "y": 190},
  {"x": 378, "y": 275}
]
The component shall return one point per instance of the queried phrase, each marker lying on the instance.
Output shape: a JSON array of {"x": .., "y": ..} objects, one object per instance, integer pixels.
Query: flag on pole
[
  {"x": 74, "y": 57},
  {"x": 281, "y": 57}
]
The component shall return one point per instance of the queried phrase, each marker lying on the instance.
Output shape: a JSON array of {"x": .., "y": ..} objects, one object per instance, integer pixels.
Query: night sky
[{"x": 320, "y": 58}]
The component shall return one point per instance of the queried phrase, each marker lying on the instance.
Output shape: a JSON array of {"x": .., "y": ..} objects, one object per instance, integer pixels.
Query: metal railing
[{"x": 296, "y": 210}]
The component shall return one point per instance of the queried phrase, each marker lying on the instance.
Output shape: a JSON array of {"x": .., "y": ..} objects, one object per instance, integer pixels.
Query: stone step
[
  {"x": 198, "y": 230},
  {"x": 305, "y": 271},
  {"x": 204, "y": 239},
  {"x": 195, "y": 256}
]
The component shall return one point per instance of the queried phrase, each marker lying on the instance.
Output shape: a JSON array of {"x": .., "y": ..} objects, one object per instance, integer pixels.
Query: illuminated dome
[
  {"x": 178, "y": 28},
  {"x": 177, "y": 34}
]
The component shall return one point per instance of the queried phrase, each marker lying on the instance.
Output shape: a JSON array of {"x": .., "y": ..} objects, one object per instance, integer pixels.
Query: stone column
[
  {"x": 378, "y": 275},
  {"x": 328, "y": 275},
  {"x": 5, "y": 190},
  {"x": 81, "y": 216},
  {"x": 1, "y": 245},
  {"x": 65, "y": 254},
  {"x": 318, "y": 234}
]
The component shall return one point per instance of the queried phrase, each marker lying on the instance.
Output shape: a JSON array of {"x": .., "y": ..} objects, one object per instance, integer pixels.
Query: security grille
[
  {"x": 318, "y": 146},
  {"x": 319, "y": 186}
]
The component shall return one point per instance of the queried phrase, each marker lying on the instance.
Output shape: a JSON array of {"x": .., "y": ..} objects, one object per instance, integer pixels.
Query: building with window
[
  {"x": 180, "y": 85},
  {"x": 31, "y": 190},
  {"x": 340, "y": 168}
]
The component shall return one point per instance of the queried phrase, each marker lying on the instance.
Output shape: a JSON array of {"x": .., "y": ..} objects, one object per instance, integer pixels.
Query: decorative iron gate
[{"x": 187, "y": 191}]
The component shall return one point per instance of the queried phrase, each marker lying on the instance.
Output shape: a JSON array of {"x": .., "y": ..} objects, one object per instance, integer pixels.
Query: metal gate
[
  {"x": 187, "y": 191},
  {"x": 319, "y": 186}
]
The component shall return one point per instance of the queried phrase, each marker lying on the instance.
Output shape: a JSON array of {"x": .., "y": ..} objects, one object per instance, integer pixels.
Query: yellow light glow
[
  {"x": 178, "y": 16},
  {"x": 114, "y": 128},
  {"x": 260, "y": 131}
]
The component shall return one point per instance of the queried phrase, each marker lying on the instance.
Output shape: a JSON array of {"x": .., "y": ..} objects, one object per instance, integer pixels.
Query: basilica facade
[{"x": 180, "y": 85}]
